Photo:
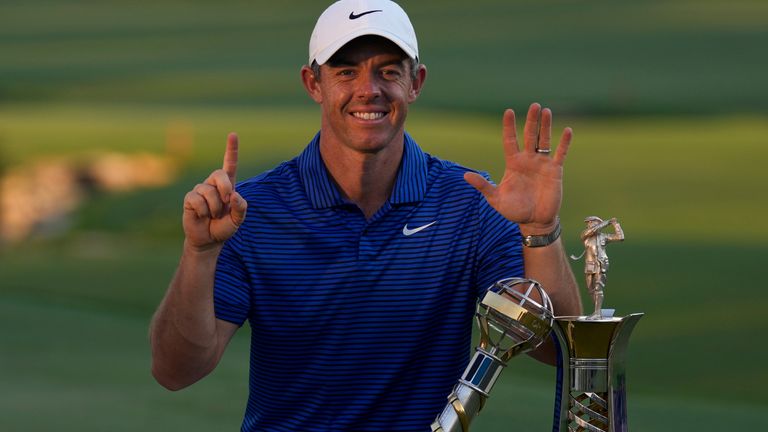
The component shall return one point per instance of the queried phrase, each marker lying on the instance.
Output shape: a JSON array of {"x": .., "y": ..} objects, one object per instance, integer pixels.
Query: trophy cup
[
  {"x": 514, "y": 316},
  {"x": 591, "y": 380}
]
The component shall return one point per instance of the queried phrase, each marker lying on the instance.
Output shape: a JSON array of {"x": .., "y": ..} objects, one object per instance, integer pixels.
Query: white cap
[{"x": 348, "y": 19}]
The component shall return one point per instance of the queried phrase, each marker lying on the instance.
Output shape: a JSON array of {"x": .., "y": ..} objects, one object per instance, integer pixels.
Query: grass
[{"x": 81, "y": 367}]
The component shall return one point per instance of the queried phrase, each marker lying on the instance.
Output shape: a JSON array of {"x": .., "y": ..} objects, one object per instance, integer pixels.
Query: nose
[{"x": 368, "y": 86}]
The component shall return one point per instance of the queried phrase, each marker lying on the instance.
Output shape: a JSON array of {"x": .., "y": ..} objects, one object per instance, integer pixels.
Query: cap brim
[{"x": 325, "y": 54}]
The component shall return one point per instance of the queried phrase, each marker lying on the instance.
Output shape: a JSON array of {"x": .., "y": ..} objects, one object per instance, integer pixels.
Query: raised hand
[
  {"x": 531, "y": 190},
  {"x": 213, "y": 210}
]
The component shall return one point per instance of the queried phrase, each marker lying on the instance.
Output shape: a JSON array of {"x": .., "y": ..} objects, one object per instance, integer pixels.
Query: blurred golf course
[{"x": 669, "y": 105}]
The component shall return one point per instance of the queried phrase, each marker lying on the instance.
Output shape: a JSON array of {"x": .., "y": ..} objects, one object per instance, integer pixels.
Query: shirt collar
[{"x": 410, "y": 184}]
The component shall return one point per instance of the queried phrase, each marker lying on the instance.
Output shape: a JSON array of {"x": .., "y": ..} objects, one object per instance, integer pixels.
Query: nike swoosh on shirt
[
  {"x": 352, "y": 15},
  {"x": 410, "y": 231}
]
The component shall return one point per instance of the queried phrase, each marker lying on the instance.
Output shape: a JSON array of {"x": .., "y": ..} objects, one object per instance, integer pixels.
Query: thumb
[
  {"x": 481, "y": 184},
  {"x": 238, "y": 207}
]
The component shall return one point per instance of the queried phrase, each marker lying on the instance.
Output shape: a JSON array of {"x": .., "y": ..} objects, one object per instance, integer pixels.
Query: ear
[
  {"x": 418, "y": 83},
  {"x": 311, "y": 84}
]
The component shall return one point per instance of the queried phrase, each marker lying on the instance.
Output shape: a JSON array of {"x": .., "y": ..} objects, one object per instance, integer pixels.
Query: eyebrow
[
  {"x": 345, "y": 62},
  {"x": 341, "y": 62}
]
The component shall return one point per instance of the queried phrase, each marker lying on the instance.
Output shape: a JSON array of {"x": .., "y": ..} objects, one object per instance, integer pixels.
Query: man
[{"x": 360, "y": 261}]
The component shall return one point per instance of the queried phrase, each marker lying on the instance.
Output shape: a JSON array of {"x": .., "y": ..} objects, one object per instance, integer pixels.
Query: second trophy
[{"x": 515, "y": 316}]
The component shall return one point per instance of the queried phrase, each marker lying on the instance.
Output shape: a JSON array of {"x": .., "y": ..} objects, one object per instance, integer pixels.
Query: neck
[{"x": 365, "y": 178}]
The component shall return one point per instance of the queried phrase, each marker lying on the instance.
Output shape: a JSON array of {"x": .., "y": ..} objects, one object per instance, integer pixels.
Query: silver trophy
[
  {"x": 514, "y": 316},
  {"x": 591, "y": 381}
]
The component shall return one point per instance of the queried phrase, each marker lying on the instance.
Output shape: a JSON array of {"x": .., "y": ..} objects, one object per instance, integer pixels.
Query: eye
[
  {"x": 345, "y": 72},
  {"x": 390, "y": 73}
]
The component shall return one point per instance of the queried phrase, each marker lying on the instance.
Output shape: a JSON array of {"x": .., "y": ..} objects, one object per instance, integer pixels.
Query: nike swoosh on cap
[
  {"x": 352, "y": 15},
  {"x": 411, "y": 231}
]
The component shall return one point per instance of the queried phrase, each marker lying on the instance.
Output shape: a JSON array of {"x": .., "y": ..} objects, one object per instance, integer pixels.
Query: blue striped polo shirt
[{"x": 358, "y": 324}]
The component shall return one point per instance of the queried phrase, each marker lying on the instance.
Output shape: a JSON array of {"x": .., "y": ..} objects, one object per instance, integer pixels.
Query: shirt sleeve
[
  {"x": 500, "y": 248},
  {"x": 231, "y": 292}
]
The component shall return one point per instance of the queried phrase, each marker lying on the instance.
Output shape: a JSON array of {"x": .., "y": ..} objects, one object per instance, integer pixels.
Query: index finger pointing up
[{"x": 230, "y": 157}]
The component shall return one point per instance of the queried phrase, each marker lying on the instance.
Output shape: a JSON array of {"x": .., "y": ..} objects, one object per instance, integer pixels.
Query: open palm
[{"x": 531, "y": 190}]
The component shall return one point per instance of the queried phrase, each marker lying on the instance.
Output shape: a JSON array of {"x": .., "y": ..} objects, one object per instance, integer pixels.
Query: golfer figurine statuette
[{"x": 595, "y": 257}]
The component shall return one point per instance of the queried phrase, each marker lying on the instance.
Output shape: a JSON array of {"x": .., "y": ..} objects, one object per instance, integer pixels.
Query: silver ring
[{"x": 543, "y": 151}]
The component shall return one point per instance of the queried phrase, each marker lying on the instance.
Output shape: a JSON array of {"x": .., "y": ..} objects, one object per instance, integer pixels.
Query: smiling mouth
[{"x": 369, "y": 115}]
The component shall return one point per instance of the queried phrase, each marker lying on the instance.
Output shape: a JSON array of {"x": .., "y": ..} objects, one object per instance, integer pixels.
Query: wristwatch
[{"x": 542, "y": 240}]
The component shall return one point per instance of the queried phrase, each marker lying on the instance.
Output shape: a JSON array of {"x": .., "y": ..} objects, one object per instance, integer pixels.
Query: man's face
[{"x": 364, "y": 91}]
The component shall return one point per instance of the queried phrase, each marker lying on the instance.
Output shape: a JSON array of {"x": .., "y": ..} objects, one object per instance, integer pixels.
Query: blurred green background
[{"x": 669, "y": 104}]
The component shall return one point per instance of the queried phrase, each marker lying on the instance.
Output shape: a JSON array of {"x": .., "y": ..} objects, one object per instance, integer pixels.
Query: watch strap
[{"x": 542, "y": 240}]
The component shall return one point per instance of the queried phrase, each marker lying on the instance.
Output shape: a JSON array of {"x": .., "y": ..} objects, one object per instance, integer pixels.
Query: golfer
[{"x": 358, "y": 263}]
